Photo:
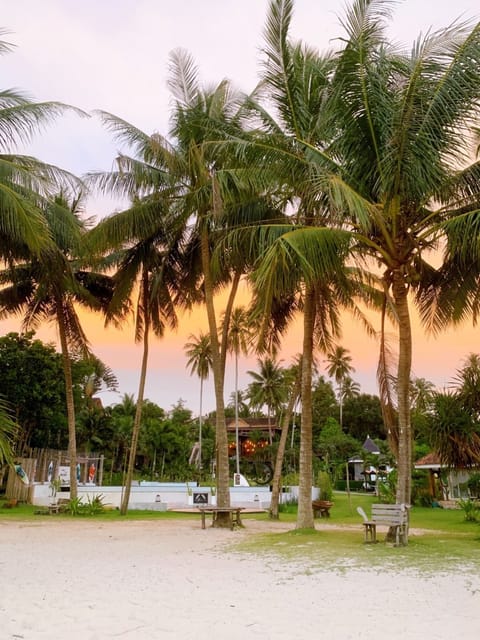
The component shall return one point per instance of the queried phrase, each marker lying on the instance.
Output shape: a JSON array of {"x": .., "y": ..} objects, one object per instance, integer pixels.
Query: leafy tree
[
  {"x": 335, "y": 446},
  {"x": 363, "y": 417},
  {"x": 325, "y": 403},
  {"x": 32, "y": 384}
]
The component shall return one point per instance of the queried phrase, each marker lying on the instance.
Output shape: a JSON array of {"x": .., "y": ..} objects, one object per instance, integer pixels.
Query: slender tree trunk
[
  {"x": 237, "y": 444},
  {"x": 277, "y": 474},
  {"x": 341, "y": 405},
  {"x": 200, "y": 425},
  {"x": 221, "y": 440},
  {"x": 305, "y": 511},
  {"x": 67, "y": 371},
  {"x": 404, "y": 460},
  {"x": 226, "y": 318},
  {"x": 138, "y": 411}
]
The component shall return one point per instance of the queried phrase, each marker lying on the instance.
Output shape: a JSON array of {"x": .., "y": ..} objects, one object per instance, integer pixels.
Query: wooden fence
[{"x": 43, "y": 465}]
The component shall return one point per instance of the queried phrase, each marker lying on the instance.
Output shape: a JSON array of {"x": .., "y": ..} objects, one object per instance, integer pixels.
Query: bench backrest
[{"x": 389, "y": 514}]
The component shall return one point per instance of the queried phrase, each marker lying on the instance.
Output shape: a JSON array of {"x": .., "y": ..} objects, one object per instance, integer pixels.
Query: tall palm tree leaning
[
  {"x": 392, "y": 172},
  {"x": 143, "y": 252},
  {"x": 199, "y": 354},
  {"x": 310, "y": 275},
  {"x": 339, "y": 368},
  {"x": 216, "y": 193},
  {"x": 203, "y": 194},
  {"x": 47, "y": 288}
]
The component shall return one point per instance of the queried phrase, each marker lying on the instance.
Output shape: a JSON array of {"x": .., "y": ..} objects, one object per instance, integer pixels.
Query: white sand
[{"x": 170, "y": 579}]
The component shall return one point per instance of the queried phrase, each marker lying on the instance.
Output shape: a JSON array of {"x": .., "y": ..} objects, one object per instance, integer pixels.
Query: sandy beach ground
[{"x": 95, "y": 580}]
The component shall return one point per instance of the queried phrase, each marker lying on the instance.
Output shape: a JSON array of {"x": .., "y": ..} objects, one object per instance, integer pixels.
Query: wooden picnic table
[{"x": 234, "y": 514}]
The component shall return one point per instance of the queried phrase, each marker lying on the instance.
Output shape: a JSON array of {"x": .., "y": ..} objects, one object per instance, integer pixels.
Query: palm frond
[{"x": 183, "y": 77}]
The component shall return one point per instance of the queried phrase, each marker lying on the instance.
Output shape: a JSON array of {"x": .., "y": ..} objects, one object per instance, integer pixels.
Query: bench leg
[
  {"x": 203, "y": 519},
  {"x": 370, "y": 532}
]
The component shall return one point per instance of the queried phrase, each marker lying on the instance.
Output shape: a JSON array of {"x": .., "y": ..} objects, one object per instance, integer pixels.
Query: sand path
[{"x": 93, "y": 580}]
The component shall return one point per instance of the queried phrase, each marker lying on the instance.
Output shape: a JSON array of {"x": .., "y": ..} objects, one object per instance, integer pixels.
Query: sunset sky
[{"x": 113, "y": 55}]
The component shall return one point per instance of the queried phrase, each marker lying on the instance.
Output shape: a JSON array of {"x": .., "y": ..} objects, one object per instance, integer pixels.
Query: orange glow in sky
[{"x": 168, "y": 380}]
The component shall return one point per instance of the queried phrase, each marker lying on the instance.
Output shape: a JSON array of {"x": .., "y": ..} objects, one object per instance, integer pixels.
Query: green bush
[
  {"x": 470, "y": 510},
  {"x": 325, "y": 485}
]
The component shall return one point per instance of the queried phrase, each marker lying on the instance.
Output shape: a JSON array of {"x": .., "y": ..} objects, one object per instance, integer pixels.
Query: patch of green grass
[
  {"x": 446, "y": 543},
  {"x": 27, "y": 511}
]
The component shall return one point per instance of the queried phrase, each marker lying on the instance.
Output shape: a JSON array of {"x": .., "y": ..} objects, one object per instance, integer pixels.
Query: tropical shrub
[{"x": 470, "y": 509}]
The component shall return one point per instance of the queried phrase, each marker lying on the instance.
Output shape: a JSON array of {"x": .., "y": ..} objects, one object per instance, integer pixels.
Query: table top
[{"x": 214, "y": 508}]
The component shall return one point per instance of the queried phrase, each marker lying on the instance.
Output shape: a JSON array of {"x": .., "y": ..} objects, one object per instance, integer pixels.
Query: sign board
[
  {"x": 64, "y": 475},
  {"x": 200, "y": 497}
]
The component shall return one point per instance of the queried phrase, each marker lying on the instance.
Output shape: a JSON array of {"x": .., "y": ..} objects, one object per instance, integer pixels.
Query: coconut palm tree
[
  {"x": 351, "y": 388},
  {"x": 205, "y": 195},
  {"x": 238, "y": 341},
  {"x": 403, "y": 123},
  {"x": 199, "y": 354},
  {"x": 143, "y": 252},
  {"x": 422, "y": 392},
  {"x": 397, "y": 133},
  {"x": 268, "y": 388},
  {"x": 25, "y": 182},
  {"x": 339, "y": 368},
  {"x": 297, "y": 80},
  {"x": 48, "y": 286}
]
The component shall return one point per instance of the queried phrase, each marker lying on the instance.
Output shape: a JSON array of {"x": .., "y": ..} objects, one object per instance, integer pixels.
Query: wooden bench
[
  {"x": 321, "y": 508},
  {"x": 388, "y": 515},
  {"x": 234, "y": 515}
]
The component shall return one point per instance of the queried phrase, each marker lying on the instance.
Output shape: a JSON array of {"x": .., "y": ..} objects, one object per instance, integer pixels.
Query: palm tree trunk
[
  {"x": 277, "y": 474},
  {"x": 341, "y": 405},
  {"x": 200, "y": 425},
  {"x": 221, "y": 440},
  {"x": 226, "y": 318},
  {"x": 138, "y": 411},
  {"x": 237, "y": 444},
  {"x": 404, "y": 460},
  {"x": 305, "y": 511},
  {"x": 67, "y": 372}
]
